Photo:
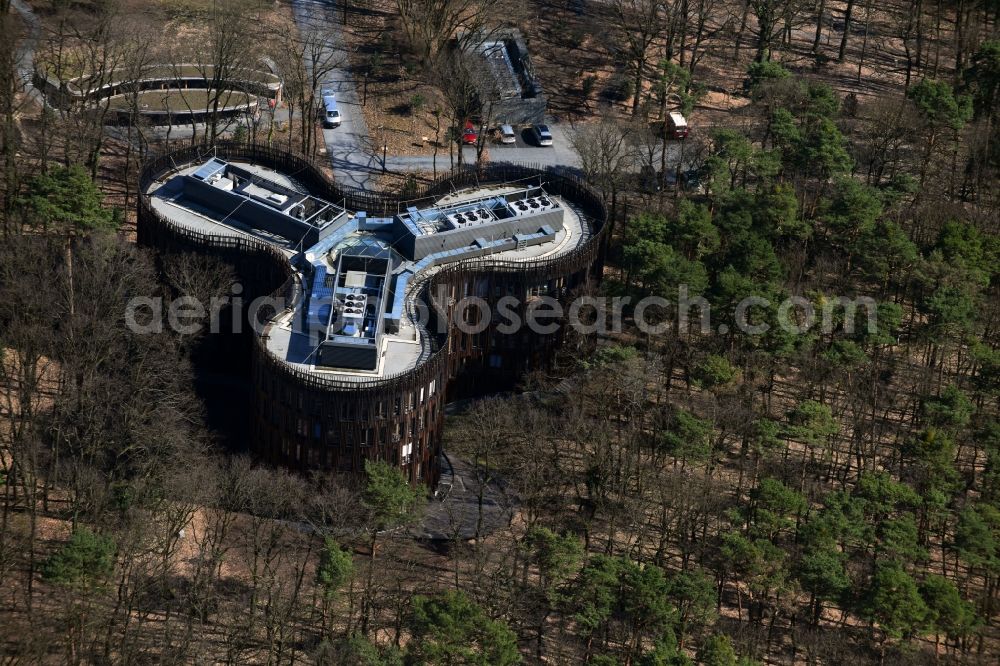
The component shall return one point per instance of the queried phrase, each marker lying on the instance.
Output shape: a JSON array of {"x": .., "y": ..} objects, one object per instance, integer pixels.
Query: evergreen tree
[
  {"x": 67, "y": 200},
  {"x": 894, "y": 603},
  {"x": 823, "y": 575},
  {"x": 451, "y": 629},
  {"x": 717, "y": 650},
  {"x": 947, "y": 612},
  {"x": 87, "y": 560},
  {"x": 692, "y": 592}
]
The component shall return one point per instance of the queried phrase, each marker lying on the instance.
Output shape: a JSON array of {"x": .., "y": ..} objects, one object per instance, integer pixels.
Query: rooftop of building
[
  {"x": 359, "y": 273},
  {"x": 503, "y": 65}
]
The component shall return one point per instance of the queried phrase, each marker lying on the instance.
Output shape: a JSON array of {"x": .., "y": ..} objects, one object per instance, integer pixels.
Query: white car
[
  {"x": 331, "y": 114},
  {"x": 507, "y": 134},
  {"x": 543, "y": 137}
]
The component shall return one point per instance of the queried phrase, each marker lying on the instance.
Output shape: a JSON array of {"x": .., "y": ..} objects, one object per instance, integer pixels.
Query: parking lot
[
  {"x": 525, "y": 150},
  {"x": 350, "y": 152}
]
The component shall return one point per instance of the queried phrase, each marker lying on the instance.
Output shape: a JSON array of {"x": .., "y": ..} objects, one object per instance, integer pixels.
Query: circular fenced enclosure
[{"x": 163, "y": 95}]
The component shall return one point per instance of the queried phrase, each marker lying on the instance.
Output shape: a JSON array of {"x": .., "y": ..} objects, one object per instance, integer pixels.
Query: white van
[
  {"x": 331, "y": 114},
  {"x": 677, "y": 126}
]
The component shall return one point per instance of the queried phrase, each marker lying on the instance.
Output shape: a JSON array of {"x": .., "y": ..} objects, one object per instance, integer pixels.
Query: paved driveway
[
  {"x": 345, "y": 145},
  {"x": 26, "y": 51},
  {"x": 348, "y": 145}
]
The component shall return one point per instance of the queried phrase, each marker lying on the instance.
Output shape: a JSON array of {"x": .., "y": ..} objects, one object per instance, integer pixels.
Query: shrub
[
  {"x": 619, "y": 88},
  {"x": 759, "y": 72},
  {"x": 87, "y": 559},
  {"x": 715, "y": 371},
  {"x": 410, "y": 188}
]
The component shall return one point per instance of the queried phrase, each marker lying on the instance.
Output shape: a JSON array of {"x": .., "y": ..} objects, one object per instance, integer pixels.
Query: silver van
[{"x": 331, "y": 114}]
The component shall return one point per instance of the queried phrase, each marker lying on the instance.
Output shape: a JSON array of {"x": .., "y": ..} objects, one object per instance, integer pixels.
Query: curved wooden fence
[{"x": 61, "y": 94}]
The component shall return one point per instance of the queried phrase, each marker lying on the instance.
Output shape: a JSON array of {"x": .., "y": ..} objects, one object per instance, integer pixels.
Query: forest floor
[
  {"x": 568, "y": 46},
  {"x": 561, "y": 66}
]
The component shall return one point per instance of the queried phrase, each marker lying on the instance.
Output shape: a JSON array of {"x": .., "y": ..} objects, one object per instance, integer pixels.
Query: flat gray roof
[{"x": 399, "y": 350}]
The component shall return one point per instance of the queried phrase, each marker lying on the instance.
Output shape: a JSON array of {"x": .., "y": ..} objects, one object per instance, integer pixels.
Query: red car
[{"x": 470, "y": 134}]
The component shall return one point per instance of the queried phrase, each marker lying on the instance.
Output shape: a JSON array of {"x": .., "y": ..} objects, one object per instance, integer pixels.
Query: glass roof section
[{"x": 366, "y": 246}]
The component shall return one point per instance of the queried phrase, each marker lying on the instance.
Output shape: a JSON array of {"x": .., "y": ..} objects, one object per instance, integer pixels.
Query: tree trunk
[
  {"x": 847, "y": 31},
  {"x": 743, "y": 27},
  {"x": 819, "y": 25},
  {"x": 637, "y": 83}
]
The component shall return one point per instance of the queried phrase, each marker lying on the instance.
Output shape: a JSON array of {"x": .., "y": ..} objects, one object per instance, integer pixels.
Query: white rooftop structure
[{"x": 360, "y": 274}]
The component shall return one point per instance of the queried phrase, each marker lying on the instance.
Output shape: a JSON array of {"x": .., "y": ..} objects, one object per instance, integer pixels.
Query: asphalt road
[
  {"x": 353, "y": 157},
  {"x": 350, "y": 151},
  {"x": 346, "y": 144},
  {"x": 26, "y": 52}
]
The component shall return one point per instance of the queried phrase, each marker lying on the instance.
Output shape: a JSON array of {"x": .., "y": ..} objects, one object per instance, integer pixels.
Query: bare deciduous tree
[
  {"x": 227, "y": 55},
  {"x": 607, "y": 154},
  {"x": 638, "y": 24},
  {"x": 308, "y": 61},
  {"x": 428, "y": 25}
]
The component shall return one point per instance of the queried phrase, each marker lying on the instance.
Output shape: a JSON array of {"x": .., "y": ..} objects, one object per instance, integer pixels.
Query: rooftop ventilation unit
[
  {"x": 533, "y": 205},
  {"x": 520, "y": 207},
  {"x": 470, "y": 217}
]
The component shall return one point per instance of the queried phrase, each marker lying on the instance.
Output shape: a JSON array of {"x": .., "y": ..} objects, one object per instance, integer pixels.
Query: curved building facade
[{"x": 384, "y": 308}]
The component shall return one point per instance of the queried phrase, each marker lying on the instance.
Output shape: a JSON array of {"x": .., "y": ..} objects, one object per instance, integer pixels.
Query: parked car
[
  {"x": 470, "y": 135},
  {"x": 677, "y": 126},
  {"x": 692, "y": 181},
  {"x": 507, "y": 134},
  {"x": 331, "y": 114},
  {"x": 649, "y": 180},
  {"x": 543, "y": 137}
]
